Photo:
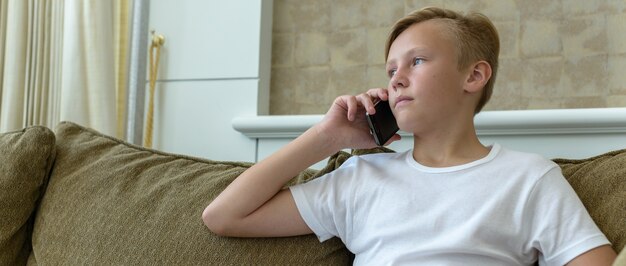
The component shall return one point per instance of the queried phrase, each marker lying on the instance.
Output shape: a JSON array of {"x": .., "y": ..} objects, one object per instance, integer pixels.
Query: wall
[
  {"x": 554, "y": 54},
  {"x": 214, "y": 66}
]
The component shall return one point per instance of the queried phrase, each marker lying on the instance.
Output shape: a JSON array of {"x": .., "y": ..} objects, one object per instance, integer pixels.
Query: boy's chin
[
  {"x": 410, "y": 126},
  {"x": 406, "y": 128}
]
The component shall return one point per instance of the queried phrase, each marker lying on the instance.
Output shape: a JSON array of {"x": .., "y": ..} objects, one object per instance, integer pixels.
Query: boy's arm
[
  {"x": 254, "y": 204},
  {"x": 603, "y": 255}
]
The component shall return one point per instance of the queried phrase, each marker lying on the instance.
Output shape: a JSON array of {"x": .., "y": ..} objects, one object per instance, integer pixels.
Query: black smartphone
[{"x": 382, "y": 124}]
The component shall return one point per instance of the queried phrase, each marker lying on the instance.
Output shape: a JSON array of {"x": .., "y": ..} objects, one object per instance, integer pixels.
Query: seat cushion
[
  {"x": 109, "y": 201},
  {"x": 26, "y": 157}
]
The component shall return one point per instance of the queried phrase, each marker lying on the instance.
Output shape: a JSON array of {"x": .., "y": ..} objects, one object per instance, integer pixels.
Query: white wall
[{"x": 214, "y": 66}]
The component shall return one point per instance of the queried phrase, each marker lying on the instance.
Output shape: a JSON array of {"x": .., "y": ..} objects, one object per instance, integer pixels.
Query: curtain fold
[
  {"x": 3, "y": 23},
  {"x": 122, "y": 13},
  {"x": 87, "y": 81},
  {"x": 13, "y": 80},
  {"x": 63, "y": 60},
  {"x": 56, "y": 66},
  {"x": 3, "y": 29}
]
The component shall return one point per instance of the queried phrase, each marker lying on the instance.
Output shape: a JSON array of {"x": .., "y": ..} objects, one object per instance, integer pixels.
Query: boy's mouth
[{"x": 402, "y": 100}]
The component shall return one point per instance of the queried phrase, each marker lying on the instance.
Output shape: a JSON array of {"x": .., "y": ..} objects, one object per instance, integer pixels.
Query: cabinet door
[
  {"x": 192, "y": 118},
  {"x": 208, "y": 39},
  {"x": 214, "y": 66}
]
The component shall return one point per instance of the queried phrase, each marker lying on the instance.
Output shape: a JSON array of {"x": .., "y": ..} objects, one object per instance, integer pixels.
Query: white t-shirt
[{"x": 509, "y": 208}]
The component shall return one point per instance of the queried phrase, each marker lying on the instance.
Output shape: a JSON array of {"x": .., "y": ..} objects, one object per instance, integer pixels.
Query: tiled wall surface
[{"x": 554, "y": 54}]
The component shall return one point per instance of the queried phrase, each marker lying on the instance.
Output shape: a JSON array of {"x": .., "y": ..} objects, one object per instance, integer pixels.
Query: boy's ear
[{"x": 479, "y": 75}]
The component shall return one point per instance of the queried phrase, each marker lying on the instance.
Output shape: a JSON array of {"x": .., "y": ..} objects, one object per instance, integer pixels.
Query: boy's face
[{"x": 425, "y": 86}]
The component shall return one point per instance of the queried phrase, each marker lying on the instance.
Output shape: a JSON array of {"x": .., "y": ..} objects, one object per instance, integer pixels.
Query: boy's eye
[
  {"x": 391, "y": 72},
  {"x": 418, "y": 61}
]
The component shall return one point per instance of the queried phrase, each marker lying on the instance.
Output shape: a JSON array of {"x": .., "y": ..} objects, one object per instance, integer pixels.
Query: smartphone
[{"x": 382, "y": 124}]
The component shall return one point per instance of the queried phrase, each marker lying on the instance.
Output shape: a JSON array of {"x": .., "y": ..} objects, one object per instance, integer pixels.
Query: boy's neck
[{"x": 445, "y": 150}]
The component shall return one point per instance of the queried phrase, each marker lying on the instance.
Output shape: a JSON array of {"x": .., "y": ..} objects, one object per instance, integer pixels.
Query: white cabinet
[
  {"x": 214, "y": 66},
  {"x": 209, "y": 39}
]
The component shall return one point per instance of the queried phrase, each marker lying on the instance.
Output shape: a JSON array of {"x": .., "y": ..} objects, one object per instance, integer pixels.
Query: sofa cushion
[
  {"x": 119, "y": 204},
  {"x": 600, "y": 182},
  {"x": 26, "y": 157}
]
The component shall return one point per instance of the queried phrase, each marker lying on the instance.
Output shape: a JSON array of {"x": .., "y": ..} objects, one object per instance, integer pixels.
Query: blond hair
[{"x": 476, "y": 39}]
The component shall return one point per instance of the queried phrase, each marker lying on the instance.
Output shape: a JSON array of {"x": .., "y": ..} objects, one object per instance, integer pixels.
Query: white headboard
[{"x": 559, "y": 133}]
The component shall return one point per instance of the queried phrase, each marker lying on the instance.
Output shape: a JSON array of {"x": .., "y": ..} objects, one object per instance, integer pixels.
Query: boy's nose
[{"x": 399, "y": 81}]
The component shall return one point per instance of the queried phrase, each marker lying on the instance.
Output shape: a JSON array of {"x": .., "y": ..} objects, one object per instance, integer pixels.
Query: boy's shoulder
[
  {"x": 528, "y": 156},
  {"x": 524, "y": 159}
]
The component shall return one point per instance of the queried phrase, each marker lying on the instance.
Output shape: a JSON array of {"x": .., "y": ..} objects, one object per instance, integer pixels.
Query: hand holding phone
[{"x": 382, "y": 124}]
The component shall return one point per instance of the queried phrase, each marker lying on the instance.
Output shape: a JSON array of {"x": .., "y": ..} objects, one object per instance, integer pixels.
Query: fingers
[
  {"x": 353, "y": 105},
  {"x": 372, "y": 96},
  {"x": 379, "y": 93},
  {"x": 367, "y": 100}
]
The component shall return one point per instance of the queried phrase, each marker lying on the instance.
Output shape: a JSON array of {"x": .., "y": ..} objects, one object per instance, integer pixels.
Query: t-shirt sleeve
[
  {"x": 562, "y": 229},
  {"x": 324, "y": 203}
]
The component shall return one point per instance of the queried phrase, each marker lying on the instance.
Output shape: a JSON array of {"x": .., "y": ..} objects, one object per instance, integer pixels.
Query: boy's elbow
[{"x": 216, "y": 223}]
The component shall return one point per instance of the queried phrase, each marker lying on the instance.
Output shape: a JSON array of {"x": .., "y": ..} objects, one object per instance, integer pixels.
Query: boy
[{"x": 449, "y": 200}]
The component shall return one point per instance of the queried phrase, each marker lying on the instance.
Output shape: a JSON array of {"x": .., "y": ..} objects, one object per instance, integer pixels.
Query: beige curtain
[
  {"x": 63, "y": 60},
  {"x": 121, "y": 33},
  {"x": 14, "y": 39}
]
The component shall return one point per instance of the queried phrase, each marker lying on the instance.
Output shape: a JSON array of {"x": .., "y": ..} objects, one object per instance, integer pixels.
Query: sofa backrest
[
  {"x": 25, "y": 160},
  {"x": 109, "y": 202}
]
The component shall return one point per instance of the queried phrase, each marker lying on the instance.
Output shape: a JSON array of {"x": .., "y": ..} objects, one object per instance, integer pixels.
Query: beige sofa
[{"x": 78, "y": 197}]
